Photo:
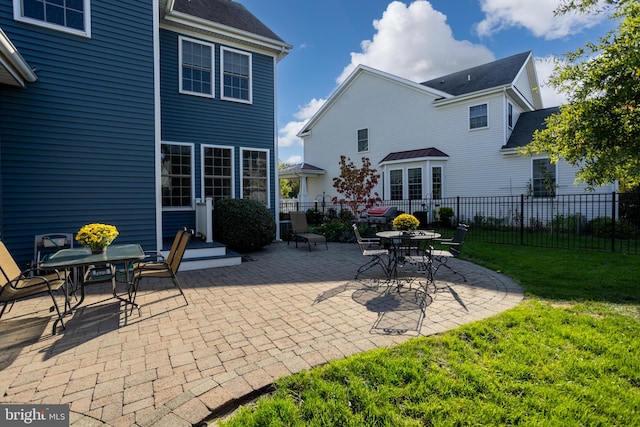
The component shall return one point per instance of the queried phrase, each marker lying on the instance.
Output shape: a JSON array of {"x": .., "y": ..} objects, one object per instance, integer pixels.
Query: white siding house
[{"x": 456, "y": 135}]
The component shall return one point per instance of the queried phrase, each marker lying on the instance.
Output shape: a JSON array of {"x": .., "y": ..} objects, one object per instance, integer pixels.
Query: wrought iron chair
[
  {"x": 159, "y": 266},
  {"x": 300, "y": 230},
  {"x": 450, "y": 248},
  {"x": 371, "y": 248},
  {"x": 17, "y": 284}
]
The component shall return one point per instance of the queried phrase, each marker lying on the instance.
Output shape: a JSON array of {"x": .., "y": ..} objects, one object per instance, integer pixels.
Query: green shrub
[
  {"x": 446, "y": 214},
  {"x": 336, "y": 231},
  {"x": 244, "y": 225},
  {"x": 600, "y": 227}
]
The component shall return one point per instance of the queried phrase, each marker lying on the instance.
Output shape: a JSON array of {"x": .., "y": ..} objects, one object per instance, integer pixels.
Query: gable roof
[
  {"x": 360, "y": 70},
  {"x": 413, "y": 154},
  {"x": 225, "y": 12},
  {"x": 527, "y": 124},
  {"x": 493, "y": 74},
  {"x": 301, "y": 169},
  {"x": 223, "y": 18}
]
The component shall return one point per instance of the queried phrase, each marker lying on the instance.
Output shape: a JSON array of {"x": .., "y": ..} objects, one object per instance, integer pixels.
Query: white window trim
[
  {"x": 224, "y": 49},
  {"x": 469, "y": 117},
  {"x": 512, "y": 115},
  {"x": 193, "y": 179},
  {"x": 555, "y": 167},
  {"x": 213, "y": 71},
  {"x": 19, "y": 16},
  {"x": 431, "y": 167},
  {"x": 233, "y": 167},
  {"x": 403, "y": 173},
  {"x": 242, "y": 150},
  {"x": 358, "y": 140},
  {"x": 421, "y": 169}
]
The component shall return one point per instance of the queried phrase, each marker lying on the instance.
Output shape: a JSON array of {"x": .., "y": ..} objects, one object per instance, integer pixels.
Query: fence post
[
  {"x": 522, "y": 219},
  {"x": 613, "y": 221},
  {"x": 457, "y": 211}
]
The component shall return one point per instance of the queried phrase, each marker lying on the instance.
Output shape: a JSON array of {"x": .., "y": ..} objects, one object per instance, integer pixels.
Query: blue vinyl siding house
[{"x": 104, "y": 115}]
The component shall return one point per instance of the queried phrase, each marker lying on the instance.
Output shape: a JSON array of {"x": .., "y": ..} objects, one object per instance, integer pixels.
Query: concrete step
[{"x": 201, "y": 255}]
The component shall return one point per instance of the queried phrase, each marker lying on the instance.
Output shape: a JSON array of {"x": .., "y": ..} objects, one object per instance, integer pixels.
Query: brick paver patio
[{"x": 282, "y": 311}]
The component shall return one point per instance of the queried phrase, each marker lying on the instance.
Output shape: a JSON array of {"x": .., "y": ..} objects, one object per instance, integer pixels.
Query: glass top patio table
[
  {"x": 69, "y": 258},
  {"x": 82, "y": 257}
]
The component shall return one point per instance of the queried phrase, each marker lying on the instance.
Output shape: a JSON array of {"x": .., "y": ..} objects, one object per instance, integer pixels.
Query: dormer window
[
  {"x": 478, "y": 116},
  {"x": 70, "y": 16}
]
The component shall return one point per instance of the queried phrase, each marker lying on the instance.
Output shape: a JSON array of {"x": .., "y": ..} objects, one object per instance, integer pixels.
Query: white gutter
[
  {"x": 14, "y": 62},
  {"x": 227, "y": 31}
]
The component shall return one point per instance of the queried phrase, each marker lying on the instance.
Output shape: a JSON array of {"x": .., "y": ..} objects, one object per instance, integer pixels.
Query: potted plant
[
  {"x": 97, "y": 236},
  {"x": 405, "y": 222}
]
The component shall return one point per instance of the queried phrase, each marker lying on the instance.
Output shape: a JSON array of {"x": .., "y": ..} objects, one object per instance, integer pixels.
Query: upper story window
[
  {"x": 177, "y": 176},
  {"x": 478, "y": 116},
  {"x": 71, "y": 16},
  {"x": 510, "y": 115},
  {"x": 196, "y": 67},
  {"x": 217, "y": 172},
  {"x": 363, "y": 140},
  {"x": 544, "y": 178},
  {"x": 236, "y": 75}
]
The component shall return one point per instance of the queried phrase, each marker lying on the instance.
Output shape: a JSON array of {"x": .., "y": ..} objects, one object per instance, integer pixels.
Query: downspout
[
  {"x": 157, "y": 119},
  {"x": 275, "y": 147}
]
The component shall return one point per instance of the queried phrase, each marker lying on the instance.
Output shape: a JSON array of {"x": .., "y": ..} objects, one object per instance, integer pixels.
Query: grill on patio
[{"x": 379, "y": 216}]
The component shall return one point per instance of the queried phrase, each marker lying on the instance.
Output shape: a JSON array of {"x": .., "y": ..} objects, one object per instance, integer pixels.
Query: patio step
[{"x": 201, "y": 255}]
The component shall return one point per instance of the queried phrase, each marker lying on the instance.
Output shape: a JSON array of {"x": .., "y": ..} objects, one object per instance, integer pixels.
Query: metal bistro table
[
  {"x": 67, "y": 259},
  {"x": 397, "y": 239}
]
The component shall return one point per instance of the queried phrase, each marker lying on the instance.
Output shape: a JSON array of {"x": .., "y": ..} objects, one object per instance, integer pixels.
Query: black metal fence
[{"x": 604, "y": 222}]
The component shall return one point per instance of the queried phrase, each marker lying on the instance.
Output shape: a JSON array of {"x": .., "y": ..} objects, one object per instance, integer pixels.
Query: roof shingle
[
  {"x": 494, "y": 74},
  {"x": 226, "y": 12}
]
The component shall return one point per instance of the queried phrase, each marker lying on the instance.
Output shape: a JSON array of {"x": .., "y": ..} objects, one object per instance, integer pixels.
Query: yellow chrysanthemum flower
[{"x": 97, "y": 235}]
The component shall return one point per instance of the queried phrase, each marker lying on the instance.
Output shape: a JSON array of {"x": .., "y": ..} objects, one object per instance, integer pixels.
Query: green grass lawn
[{"x": 569, "y": 355}]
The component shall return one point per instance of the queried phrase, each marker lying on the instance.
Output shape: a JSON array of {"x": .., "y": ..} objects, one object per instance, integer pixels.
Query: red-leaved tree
[{"x": 356, "y": 185}]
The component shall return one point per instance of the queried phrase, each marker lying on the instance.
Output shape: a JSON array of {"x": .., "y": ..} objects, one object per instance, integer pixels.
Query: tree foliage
[
  {"x": 289, "y": 187},
  {"x": 599, "y": 129},
  {"x": 356, "y": 185}
]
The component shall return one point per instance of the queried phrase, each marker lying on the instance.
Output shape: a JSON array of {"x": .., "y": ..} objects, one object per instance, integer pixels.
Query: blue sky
[{"x": 417, "y": 40}]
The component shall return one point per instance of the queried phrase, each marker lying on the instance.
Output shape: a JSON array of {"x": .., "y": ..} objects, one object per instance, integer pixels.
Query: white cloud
[
  {"x": 287, "y": 134},
  {"x": 534, "y": 15},
  {"x": 544, "y": 68},
  {"x": 293, "y": 160},
  {"x": 415, "y": 42}
]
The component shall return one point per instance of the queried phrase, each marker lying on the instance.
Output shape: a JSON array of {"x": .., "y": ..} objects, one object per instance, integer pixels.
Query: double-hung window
[
  {"x": 236, "y": 75},
  {"x": 478, "y": 116},
  {"x": 415, "y": 183},
  {"x": 510, "y": 115},
  {"x": 436, "y": 182},
  {"x": 217, "y": 172},
  {"x": 255, "y": 175},
  {"x": 177, "y": 175},
  {"x": 544, "y": 178},
  {"x": 70, "y": 16},
  {"x": 363, "y": 140},
  {"x": 395, "y": 184},
  {"x": 196, "y": 67}
]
